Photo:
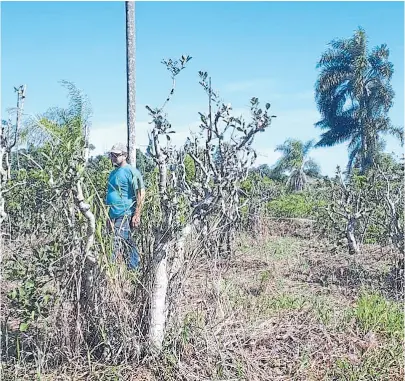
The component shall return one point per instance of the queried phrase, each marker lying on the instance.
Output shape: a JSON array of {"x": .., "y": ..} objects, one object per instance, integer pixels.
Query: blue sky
[{"x": 263, "y": 49}]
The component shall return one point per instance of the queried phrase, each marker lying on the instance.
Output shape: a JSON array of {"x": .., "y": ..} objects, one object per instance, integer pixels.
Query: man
[{"x": 125, "y": 196}]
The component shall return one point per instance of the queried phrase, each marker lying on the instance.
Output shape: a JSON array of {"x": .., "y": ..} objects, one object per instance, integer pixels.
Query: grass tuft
[{"x": 374, "y": 313}]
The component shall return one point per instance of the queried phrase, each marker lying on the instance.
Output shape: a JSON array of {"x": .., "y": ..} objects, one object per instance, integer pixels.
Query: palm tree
[
  {"x": 296, "y": 163},
  {"x": 354, "y": 95},
  {"x": 130, "y": 43}
]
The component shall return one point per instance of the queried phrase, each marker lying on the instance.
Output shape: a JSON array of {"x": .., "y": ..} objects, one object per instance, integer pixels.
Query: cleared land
[{"x": 287, "y": 306}]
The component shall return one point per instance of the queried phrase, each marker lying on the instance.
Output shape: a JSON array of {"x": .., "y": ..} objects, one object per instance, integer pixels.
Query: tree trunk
[
  {"x": 396, "y": 230},
  {"x": 3, "y": 181},
  {"x": 130, "y": 39},
  {"x": 158, "y": 310},
  {"x": 351, "y": 238},
  {"x": 180, "y": 251}
]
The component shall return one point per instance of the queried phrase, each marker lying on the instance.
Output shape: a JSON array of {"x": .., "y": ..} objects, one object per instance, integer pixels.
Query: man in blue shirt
[{"x": 125, "y": 196}]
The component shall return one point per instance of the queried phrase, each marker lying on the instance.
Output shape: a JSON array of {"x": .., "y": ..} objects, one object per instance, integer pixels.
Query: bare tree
[
  {"x": 9, "y": 136},
  {"x": 167, "y": 231},
  {"x": 364, "y": 207},
  {"x": 225, "y": 145},
  {"x": 390, "y": 192},
  {"x": 130, "y": 43},
  {"x": 3, "y": 177},
  {"x": 348, "y": 208},
  {"x": 222, "y": 154}
]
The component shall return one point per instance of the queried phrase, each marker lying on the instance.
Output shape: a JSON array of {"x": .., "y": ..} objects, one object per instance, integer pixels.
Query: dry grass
[
  {"x": 278, "y": 311},
  {"x": 283, "y": 308}
]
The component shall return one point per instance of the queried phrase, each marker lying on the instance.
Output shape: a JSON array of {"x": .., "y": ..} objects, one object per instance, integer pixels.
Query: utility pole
[
  {"x": 20, "y": 104},
  {"x": 130, "y": 43}
]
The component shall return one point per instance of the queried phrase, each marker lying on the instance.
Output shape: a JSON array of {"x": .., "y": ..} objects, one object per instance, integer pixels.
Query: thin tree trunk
[
  {"x": 130, "y": 39},
  {"x": 3, "y": 181},
  {"x": 86, "y": 143},
  {"x": 353, "y": 246}
]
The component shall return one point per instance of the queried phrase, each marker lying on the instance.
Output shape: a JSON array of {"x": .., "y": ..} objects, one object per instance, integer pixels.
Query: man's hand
[{"x": 135, "y": 220}]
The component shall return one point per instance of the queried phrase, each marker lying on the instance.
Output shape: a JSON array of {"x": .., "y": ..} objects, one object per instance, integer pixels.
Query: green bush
[
  {"x": 297, "y": 205},
  {"x": 34, "y": 294},
  {"x": 374, "y": 234}
]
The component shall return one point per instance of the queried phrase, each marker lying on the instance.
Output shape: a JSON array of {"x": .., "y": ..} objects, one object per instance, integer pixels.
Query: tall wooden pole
[
  {"x": 130, "y": 39},
  {"x": 20, "y": 105}
]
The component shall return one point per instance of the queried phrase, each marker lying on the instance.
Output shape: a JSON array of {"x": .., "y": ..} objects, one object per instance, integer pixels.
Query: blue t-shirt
[{"x": 123, "y": 184}]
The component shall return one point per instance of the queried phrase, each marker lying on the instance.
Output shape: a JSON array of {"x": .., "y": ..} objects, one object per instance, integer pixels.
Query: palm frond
[
  {"x": 79, "y": 104},
  {"x": 341, "y": 131},
  {"x": 307, "y": 146}
]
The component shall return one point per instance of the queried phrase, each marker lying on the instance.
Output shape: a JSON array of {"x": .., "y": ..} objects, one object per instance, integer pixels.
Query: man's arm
[
  {"x": 139, "y": 201},
  {"x": 139, "y": 189}
]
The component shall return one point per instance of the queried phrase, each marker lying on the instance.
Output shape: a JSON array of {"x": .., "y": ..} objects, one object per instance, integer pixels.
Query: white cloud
[
  {"x": 103, "y": 137},
  {"x": 298, "y": 124},
  {"x": 267, "y": 156}
]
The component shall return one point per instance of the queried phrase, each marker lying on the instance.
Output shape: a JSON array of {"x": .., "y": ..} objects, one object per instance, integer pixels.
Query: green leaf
[
  {"x": 21, "y": 291},
  {"x": 23, "y": 327},
  {"x": 13, "y": 294}
]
